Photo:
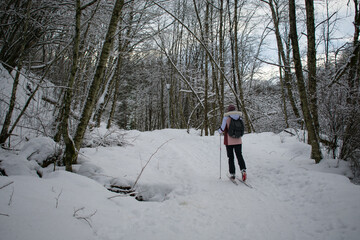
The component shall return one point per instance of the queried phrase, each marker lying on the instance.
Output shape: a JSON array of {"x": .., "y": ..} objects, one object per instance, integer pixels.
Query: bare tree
[
  {"x": 238, "y": 70},
  {"x": 311, "y": 63},
  {"x": 5, "y": 129},
  {"x": 69, "y": 91},
  {"x": 70, "y": 156},
  {"x": 350, "y": 147},
  {"x": 314, "y": 142},
  {"x": 276, "y": 17}
]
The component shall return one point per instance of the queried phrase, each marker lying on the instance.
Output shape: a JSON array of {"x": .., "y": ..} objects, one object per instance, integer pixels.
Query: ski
[
  {"x": 243, "y": 182},
  {"x": 233, "y": 180}
]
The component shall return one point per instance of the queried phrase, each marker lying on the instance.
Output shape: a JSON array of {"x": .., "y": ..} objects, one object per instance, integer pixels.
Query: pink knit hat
[{"x": 231, "y": 108}]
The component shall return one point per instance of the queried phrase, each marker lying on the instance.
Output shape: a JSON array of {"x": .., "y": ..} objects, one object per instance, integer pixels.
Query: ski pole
[{"x": 220, "y": 156}]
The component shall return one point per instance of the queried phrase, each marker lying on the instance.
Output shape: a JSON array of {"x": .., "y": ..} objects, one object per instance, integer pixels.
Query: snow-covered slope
[
  {"x": 38, "y": 117},
  {"x": 291, "y": 198}
]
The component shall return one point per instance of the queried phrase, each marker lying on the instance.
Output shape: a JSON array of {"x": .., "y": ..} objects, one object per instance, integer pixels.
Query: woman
[{"x": 232, "y": 143}]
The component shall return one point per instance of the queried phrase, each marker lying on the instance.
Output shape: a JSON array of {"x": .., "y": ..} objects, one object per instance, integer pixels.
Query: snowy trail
[
  {"x": 292, "y": 197},
  {"x": 288, "y": 200}
]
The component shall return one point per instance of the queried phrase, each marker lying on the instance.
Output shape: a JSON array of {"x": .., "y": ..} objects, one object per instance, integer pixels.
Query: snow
[
  {"x": 40, "y": 149},
  {"x": 292, "y": 197}
]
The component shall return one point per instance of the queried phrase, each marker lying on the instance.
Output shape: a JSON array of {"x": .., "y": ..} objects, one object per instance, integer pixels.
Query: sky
[{"x": 342, "y": 30}]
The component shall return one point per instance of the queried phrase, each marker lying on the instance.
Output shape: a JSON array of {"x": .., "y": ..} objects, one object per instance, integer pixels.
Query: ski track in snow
[{"x": 290, "y": 198}]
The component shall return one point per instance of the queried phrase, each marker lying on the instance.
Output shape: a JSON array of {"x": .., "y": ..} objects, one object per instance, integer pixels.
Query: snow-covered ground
[{"x": 291, "y": 198}]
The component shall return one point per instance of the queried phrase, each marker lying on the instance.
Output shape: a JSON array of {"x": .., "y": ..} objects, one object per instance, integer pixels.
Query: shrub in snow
[
  {"x": 104, "y": 137},
  {"x": 13, "y": 164},
  {"x": 43, "y": 150},
  {"x": 96, "y": 173}
]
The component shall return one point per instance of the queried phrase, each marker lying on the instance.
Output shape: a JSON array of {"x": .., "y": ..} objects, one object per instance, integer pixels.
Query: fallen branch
[
  {"x": 86, "y": 218},
  {"x": 132, "y": 194},
  {"x": 57, "y": 199},
  {"x": 11, "y": 196},
  {"x": 7, "y": 185},
  {"x": 292, "y": 134},
  {"x": 142, "y": 170}
]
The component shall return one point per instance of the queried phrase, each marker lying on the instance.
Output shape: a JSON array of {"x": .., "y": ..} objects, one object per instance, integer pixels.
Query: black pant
[{"x": 230, "y": 153}]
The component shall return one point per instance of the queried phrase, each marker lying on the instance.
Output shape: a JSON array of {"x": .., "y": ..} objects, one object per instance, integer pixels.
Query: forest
[{"x": 155, "y": 64}]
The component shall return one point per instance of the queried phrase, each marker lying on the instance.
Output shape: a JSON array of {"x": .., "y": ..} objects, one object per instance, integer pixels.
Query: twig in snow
[
  {"x": 11, "y": 196},
  {"x": 77, "y": 210},
  {"x": 7, "y": 185},
  {"x": 142, "y": 170},
  {"x": 292, "y": 134},
  {"x": 131, "y": 194},
  {"x": 86, "y": 218},
  {"x": 57, "y": 199}
]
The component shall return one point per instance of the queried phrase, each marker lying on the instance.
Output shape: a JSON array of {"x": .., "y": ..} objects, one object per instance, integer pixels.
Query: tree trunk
[
  {"x": 221, "y": 55},
  {"x": 283, "y": 93},
  {"x": 6, "y": 125},
  {"x": 71, "y": 157},
  {"x": 232, "y": 45},
  {"x": 352, "y": 130},
  {"x": 288, "y": 80},
  {"x": 237, "y": 66},
  {"x": 123, "y": 47},
  {"x": 315, "y": 146},
  {"x": 64, "y": 125},
  {"x": 311, "y": 62},
  {"x": 285, "y": 60},
  {"x": 117, "y": 78},
  {"x": 206, "y": 70},
  {"x": 162, "y": 104}
]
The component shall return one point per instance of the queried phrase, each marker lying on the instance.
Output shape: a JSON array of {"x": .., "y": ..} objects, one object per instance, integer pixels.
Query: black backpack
[{"x": 236, "y": 128}]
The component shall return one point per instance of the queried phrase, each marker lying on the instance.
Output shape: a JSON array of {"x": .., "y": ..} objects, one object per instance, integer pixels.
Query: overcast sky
[{"x": 341, "y": 33}]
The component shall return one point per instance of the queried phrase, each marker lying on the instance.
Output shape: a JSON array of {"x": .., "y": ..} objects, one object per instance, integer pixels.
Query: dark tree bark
[
  {"x": 237, "y": 67},
  {"x": 206, "y": 69},
  {"x": 351, "y": 137},
  {"x": 70, "y": 156},
  {"x": 283, "y": 97},
  {"x": 311, "y": 62},
  {"x": 315, "y": 146},
  {"x": 64, "y": 125},
  {"x": 221, "y": 57},
  {"x": 5, "y": 133},
  {"x": 287, "y": 73}
]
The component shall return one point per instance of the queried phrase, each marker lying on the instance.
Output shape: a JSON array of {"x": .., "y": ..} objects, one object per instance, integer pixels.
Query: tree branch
[
  {"x": 7, "y": 185},
  {"x": 142, "y": 170},
  {"x": 88, "y": 4},
  {"x": 205, "y": 48}
]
